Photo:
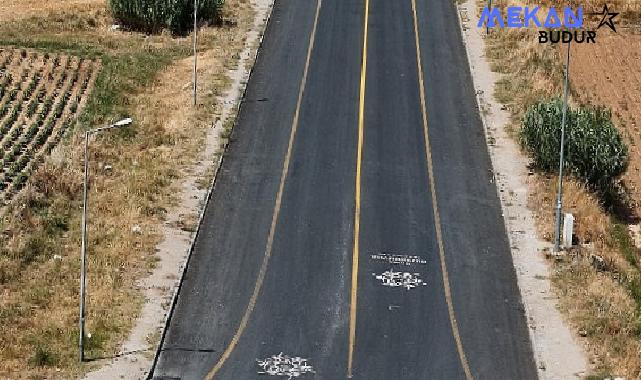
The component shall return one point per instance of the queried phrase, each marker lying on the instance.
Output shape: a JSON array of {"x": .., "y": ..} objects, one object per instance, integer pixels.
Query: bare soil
[{"x": 609, "y": 73}]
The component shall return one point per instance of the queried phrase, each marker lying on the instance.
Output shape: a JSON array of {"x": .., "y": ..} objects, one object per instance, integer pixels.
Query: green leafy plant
[
  {"x": 594, "y": 150},
  {"x": 155, "y": 15}
]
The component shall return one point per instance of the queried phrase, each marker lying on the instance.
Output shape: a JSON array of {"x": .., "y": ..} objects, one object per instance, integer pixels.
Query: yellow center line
[
  {"x": 279, "y": 196},
  {"x": 357, "y": 209},
  {"x": 437, "y": 218}
]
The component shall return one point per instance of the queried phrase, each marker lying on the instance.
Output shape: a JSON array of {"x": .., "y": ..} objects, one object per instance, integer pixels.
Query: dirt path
[{"x": 557, "y": 353}]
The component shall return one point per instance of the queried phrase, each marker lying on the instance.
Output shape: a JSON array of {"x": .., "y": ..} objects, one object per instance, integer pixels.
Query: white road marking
[
  {"x": 396, "y": 279},
  {"x": 398, "y": 259},
  {"x": 284, "y": 365}
]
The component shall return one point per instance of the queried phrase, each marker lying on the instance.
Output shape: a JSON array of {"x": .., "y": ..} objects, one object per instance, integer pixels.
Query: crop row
[{"x": 36, "y": 109}]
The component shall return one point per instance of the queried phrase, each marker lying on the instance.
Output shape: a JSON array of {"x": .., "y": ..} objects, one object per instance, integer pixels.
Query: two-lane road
[{"x": 353, "y": 223}]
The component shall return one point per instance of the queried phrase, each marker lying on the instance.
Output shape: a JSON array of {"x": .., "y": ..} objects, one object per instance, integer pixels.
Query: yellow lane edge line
[
  {"x": 437, "y": 218},
  {"x": 357, "y": 209},
  {"x": 279, "y": 196}
]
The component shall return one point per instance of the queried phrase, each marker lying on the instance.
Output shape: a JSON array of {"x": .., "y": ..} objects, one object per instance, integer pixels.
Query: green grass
[
  {"x": 55, "y": 46},
  {"x": 124, "y": 68},
  {"x": 624, "y": 243},
  {"x": 621, "y": 237},
  {"x": 123, "y": 74},
  {"x": 600, "y": 376}
]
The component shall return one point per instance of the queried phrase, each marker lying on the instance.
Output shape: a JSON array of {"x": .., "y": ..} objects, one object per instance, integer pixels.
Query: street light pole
[
  {"x": 195, "y": 52},
  {"x": 83, "y": 249},
  {"x": 559, "y": 197},
  {"x": 489, "y": 8},
  {"x": 83, "y": 253}
]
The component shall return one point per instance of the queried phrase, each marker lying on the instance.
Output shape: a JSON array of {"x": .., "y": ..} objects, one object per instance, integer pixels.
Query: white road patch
[
  {"x": 398, "y": 259},
  {"x": 396, "y": 279},
  {"x": 284, "y": 365}
]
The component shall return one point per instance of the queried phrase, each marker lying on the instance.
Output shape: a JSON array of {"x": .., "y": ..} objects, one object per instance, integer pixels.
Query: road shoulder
[
  {"x": 558, "y": 355},
  {"x": 136, "y": 355}
]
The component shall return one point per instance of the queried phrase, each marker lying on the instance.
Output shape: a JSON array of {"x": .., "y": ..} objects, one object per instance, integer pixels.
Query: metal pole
[
  {"x": 83, "y": 253},
  {"x": 489, "y": 7},
  {"x": 83, "y": 249},
  {"x": 195, "y": 53},
  {"x": 559, "y": 198}
]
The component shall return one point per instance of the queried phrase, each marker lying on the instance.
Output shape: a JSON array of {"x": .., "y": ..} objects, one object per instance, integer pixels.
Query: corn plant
[
  {"x": 594, "y": 150},
  {"x": 155, "y": 15}
]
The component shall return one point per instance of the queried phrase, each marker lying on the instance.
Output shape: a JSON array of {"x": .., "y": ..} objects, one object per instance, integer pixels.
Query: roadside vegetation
[
  {"x": 134, "y": 172},
  {"x": 154, "y": 16},
  {"x": 599, "y": 280},
  {"x": 594, "y": 150}
]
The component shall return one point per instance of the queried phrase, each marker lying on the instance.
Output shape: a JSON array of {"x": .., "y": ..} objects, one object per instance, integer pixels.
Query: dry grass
[
  {"x": 598, "y": 283},
  {"x": 11, "y": 10},
  {"x": 600, "y": 308},
  {"x": 593, "y": 228},
  {"x": 133, "y": 183},
  {"x": 530, "y": 70}
]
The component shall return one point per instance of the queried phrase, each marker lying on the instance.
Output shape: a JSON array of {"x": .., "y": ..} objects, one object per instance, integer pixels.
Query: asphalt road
[{"x": 358, "y": 163}]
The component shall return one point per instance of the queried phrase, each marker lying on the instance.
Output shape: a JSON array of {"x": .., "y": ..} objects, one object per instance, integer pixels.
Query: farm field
[
  {"x": 65, "y": 69},
  {"x": 608, "y": 73},
  {"x": 40, "y": 96}
]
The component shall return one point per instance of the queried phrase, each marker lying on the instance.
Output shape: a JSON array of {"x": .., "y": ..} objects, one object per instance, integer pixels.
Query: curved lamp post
[{"x": 83, "y": 251}]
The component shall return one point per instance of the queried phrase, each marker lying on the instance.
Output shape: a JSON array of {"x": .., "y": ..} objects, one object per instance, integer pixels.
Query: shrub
[
  {"x": 43, "y": 356},
  {"x": 594, "y": 149},
  {"x": 155, "y": 15},
  {"x": 35, "y": 247}
]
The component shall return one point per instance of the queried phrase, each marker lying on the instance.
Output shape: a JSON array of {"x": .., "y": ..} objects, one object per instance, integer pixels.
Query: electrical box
[{"x": 568, "y": 230}]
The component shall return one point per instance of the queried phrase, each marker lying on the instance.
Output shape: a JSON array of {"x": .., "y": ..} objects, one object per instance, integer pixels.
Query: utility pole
[
  {"x": 489, "y": 8},
  {"x": 83, "y": 249},
  {"x": 559, "y": 197},
  {"x": 83, "y": 254},
  {"x": 195, "y": 52}
]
